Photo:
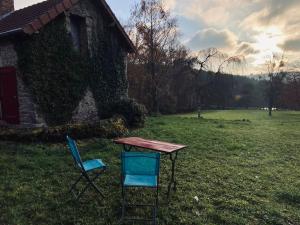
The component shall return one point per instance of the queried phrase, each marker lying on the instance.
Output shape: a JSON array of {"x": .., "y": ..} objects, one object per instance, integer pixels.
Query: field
[{"x": 241, "y": 167}]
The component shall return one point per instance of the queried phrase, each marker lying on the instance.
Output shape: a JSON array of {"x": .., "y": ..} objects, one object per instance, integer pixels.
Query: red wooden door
[{"x": 9, "y": 96}]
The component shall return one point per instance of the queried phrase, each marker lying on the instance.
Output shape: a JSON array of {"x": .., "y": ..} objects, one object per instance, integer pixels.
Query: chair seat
[
  {"x": 93, "y": 164},
  {"x": 140, "y": 181}
]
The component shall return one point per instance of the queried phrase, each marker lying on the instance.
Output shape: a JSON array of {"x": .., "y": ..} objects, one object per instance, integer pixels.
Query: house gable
[
  {"x": 49, "y": 65},
  {"x": 31, "y": 19},
  {"x": 107, "y": 51}
]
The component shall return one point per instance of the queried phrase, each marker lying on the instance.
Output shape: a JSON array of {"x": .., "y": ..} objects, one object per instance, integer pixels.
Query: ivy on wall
[
  {"x": 108, "y": 82},
  {"x": 57, "y": 75}
]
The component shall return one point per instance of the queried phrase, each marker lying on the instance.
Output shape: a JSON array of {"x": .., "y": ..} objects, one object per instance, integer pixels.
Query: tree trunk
[
  {"x": 156, "y": 100},
  {"x": 199, "y": 112},
  {"x": 198, "y": 93},
  {"x": 271, "y": 103},
  {"x": 271, "y": 94},
  {"x": 153, "y": 74}
]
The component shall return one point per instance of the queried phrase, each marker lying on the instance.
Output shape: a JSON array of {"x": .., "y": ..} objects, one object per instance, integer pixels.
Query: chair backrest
[
  {"x": 74, "y": 151},
  {"x": 138, "y": 163}
]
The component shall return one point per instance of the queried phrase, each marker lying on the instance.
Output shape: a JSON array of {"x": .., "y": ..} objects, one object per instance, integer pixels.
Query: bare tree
[
  {"x": 231, "y": 63},
  {"x": 290, "y": 93},
  {"x": 154, "y": 32},
  {"x": 290, "y": 96},
  {"x": 275, "y": 67},
  {"x": 204, "y": 58},
  {"x": 203, "y": 62},
  {"x": 212, "y": 59}
]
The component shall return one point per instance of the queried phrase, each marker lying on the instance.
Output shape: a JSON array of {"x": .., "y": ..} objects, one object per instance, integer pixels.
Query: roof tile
[
  {"x": 60, "y": 8},
  {"x": 67, "y": 3},
  {"x": 52, "y": 13},
  {"x": 45, "y": 18},
  {"x": 22, "y": 17},
  {"x": 36, "y": 24}
]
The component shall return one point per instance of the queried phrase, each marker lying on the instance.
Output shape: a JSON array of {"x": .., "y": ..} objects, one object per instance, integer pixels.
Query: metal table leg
[{"x": 173, "y": 180}]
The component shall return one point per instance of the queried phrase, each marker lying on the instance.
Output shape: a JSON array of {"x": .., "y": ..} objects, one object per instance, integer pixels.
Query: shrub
[
  {"x": 133, "y": 112},
  {"x": 109, "y": 128}
]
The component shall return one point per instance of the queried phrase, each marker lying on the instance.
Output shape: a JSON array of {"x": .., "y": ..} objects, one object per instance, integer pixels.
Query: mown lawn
[{"x": 243, "y": 166}]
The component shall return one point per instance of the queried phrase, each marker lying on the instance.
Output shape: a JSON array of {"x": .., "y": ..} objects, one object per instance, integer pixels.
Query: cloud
[
  {"x": 169, "y": 4},
  {"x": 253, "y": 28},
  {"x": 272, "y": 13},
  {"x": 277, "y": 8},
  {"x": 274, "y": 27},
  {"x": 292, "y": 45},
  {"x": 246, "y": 49},
  {"x": 211, "y": 12},
  {"x": 211, "y": 37}
]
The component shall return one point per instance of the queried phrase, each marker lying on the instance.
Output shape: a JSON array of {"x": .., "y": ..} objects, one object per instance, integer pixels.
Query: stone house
[{"x": 82, "y": 18}]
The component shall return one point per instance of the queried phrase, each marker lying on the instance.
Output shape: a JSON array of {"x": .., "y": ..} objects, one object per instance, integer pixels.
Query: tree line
[{"x": 168, "y": 78}]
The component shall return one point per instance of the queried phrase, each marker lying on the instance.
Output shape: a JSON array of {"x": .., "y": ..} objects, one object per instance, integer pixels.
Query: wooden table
[{"x": 158, "y": 146}]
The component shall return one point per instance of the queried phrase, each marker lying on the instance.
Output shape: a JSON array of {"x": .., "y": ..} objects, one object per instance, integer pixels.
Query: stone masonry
[
  {"x": 27, "y": 109},
  {"x": 86, "y": 110}
]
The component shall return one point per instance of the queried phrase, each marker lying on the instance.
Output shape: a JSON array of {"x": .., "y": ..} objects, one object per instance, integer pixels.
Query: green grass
[{"x": 243, "y": 166}]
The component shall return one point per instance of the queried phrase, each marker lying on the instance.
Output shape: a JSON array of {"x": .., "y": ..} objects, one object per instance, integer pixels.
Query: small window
[{"x": 78, "y": 33}]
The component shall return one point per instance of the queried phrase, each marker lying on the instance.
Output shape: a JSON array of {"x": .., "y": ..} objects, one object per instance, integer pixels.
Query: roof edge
[
  {"x": 48, "y": 16},
  {"x": 119, "y": 26},
  {"x": 11, "y": 32}
]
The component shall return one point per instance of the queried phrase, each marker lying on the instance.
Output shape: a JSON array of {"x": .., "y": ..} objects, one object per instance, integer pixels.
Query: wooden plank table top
[{"x": 159, "y": 146}]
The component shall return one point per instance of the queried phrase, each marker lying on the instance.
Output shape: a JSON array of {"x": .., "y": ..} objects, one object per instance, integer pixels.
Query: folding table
[{"x": 158, "y": 146}]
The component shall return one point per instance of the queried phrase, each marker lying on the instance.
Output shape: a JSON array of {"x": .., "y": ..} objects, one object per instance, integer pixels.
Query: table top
[{"x": 154, "y": 145}]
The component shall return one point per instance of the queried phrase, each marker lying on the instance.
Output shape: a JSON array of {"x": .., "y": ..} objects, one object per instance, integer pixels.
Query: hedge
[
  {"x": 133, "y": 112},
  {"x": 109, "y": 128}
]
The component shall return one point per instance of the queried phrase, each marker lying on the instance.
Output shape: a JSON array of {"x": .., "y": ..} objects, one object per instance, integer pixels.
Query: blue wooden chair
[
  {"x": 95, "y": 166},
  {"x": 140, "y": 170}
]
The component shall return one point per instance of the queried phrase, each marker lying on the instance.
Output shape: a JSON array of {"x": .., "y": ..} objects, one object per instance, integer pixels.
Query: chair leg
[
  {"x": 82, "y": 191},
  {"x": 97, "y": 189},
  {"x": 91, "y": 182},
  {"x": 156, "y": 206},
  {"x": 123, "y": 204},
  {"x": 153, "y": 206},
  {"x": 75, "y": 183}
]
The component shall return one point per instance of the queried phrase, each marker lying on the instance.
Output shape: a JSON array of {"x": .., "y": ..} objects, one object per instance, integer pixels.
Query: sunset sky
[{"x": 254, "y": 28}]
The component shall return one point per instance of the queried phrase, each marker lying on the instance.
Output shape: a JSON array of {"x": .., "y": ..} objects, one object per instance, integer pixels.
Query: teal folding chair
[
  {"x": 140, "y": 170},
  {"x": 95, "y": 166}
]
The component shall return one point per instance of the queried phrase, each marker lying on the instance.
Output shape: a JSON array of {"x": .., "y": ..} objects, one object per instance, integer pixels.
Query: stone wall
[
  {"x": 93, "y": 19},
  {"x": 29, "y": 116},
  {"x": 27, "y": 109},
  {"x": 86, "y": 111},
  {"x": 8, "y": 55}
]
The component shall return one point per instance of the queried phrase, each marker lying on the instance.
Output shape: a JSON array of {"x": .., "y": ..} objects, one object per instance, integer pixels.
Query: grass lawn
[{"x": 243, "y": 166}]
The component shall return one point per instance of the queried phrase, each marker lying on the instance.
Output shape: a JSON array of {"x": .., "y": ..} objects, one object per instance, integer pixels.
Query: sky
[{"x": 253, "y": 28}]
